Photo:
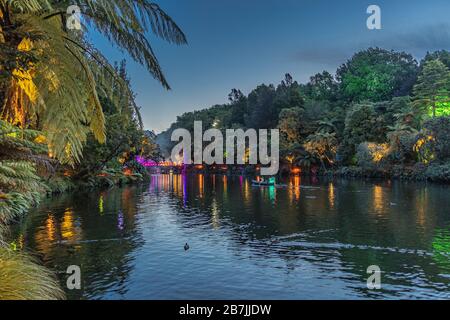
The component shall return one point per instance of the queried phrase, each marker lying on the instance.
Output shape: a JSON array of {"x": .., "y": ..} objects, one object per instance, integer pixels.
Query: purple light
[
  {"x": 185, "y": 191},
  {"x": 120, "y": 221},
  {"x": 150, "y": 163},
  {"x": 146, "y": 163}
]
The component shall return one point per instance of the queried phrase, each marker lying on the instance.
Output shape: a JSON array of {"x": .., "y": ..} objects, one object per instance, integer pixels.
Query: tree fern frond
[
  {"x": 54, "y": 84},
  {"x": 161, "y": 23},
  {"x": 27, "y": 6}
]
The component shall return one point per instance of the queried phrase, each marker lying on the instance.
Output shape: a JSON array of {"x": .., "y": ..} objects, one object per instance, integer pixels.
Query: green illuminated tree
[
  {"x": 377, "y": 75},
  {"x": 432, "y": 91}
]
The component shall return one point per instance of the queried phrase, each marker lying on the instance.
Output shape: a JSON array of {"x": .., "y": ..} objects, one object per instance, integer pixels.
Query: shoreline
[{"x": 434, "y": 173}]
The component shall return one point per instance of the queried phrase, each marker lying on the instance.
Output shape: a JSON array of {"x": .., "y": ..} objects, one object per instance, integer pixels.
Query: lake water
[{"x": 311, "y": 240}]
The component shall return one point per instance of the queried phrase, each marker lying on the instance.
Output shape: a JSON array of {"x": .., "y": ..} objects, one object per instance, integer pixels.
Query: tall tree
[
  {"x": 323, "y": 146},
  {"x": 377, "y": 75},
  {"x": 261, "y": 108},
  {"x": 323, "y": 86},
  {"x": 432, "y": 91},
  {"x": 441, "y": 55},
  {"x": 291, "y": 125},
  {"x": 238, "y": 104}
]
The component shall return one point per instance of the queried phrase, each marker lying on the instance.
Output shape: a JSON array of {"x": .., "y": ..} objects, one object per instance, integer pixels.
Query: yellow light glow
[
  {"x": 101, "y": 208},
  {"x": 378, "y": 199},
  {"x": 331, "y": 195},
  {"x": 50, "y": 228},
  {"x": 201, "y": 181},
  {"x": 290, "y": 159},
  {"x": 67, "y": 226},
  {"x": 378, "y": 151},
  {"x": 24, "y": 78},
  {"x": 2, "y": 38},
  {"x": 420, "y": 147},
  {"x": 297, "y": 189},
  {"x": 40, "y": 139}
]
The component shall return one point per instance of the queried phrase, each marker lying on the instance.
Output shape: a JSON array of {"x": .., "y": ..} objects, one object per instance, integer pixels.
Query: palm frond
[{"x": 53, "y": 85}]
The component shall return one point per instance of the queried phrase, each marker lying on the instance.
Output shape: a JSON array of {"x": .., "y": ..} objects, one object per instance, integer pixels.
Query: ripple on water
[{"x": 309, "y": 240}]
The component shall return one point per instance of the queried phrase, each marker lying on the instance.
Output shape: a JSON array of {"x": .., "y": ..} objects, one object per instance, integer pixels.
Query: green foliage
[
  {"x": 22, "y": 278},
  {"x": 323, "y": 86},
  {"x": 362, "y": 124},
  {"x": 372, "y": 155},
  {"x": 261, "y": 107},
  {"x": 125, "y": 138},
  {"x": 402, "y": 139},
  {"x": 377, "y": 75},
  {"x": 19, "y": 182},
  {"x": 322, "y": 146},
  {"x": 291, "y": 125},
  {"x": 122, "y": 137},
  {"x": 441, "y": 55},
  {"x": 438, "y": 173},
  {"x": 306, "y": 160},
  {"x": 54, "y": 81},
  {"x": 20, "y": 144},
  {"x": 238, "y": 103},
  {"x": 60, "y": 184},
  {"x": 366, "y": 115},
  {"x": 265, "y": 103},
  {"x": 432, "y": 91},
  {"x": 292, "y": 130},
  {"x": 439, "y": 130},
  {"x": 51, "y": 74}
]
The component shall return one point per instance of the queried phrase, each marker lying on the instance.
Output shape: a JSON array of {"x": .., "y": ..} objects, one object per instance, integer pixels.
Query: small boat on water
[{"x": 263, "y": 183}]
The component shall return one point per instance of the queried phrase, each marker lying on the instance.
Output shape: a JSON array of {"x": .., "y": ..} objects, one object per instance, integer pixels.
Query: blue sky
[{"x": 243, "y": 43}]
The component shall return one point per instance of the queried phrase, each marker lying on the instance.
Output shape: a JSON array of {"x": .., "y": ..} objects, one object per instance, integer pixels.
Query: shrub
[
  {"x": 372, "y": 155},
  {"x": 21, "y": 278},
  {"x": 436, "y": 134},
  {"x": 438, "y": 173},
  {"x": 59, "y": 185},
  {"x": 406, "y": 148}
]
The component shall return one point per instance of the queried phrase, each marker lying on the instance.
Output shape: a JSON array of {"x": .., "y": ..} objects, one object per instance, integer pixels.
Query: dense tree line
[{"x": 381, "y": 111}]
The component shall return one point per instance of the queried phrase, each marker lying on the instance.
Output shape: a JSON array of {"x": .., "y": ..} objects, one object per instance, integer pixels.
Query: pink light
[
  {"x": 150, "y": 163},
  {"x": 146, "y": 163}
]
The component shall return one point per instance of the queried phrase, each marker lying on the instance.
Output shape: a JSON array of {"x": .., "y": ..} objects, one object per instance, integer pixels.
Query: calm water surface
[{"x": 310, "y": 240}]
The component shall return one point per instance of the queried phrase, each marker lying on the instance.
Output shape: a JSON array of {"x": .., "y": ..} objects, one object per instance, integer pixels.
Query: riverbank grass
[{"x": 22, "y": 278}]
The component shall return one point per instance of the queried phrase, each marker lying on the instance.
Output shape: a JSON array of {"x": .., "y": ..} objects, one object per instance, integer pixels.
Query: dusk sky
[{"x": 243, "y": 43}]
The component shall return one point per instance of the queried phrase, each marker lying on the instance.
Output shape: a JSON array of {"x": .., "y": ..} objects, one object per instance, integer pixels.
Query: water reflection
[
  {"x": 331, "y": 195},
  {"x": 309, "y": 239},
  {"x": 378, "y": 200}
]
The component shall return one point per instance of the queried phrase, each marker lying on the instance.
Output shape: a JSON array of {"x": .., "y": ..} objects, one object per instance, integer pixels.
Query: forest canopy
[{"x": 375, "y": 112}]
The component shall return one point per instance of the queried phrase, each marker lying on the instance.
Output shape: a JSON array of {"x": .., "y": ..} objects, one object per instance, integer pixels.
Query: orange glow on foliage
[
  {"x": 378, "y": 151},
  {"x": 128, "y": 172},
  {"x": 40, "y": 139}
]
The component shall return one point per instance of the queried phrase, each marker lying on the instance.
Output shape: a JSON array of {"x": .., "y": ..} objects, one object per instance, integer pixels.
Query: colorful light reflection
[{"x": 150, "y": 163}]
